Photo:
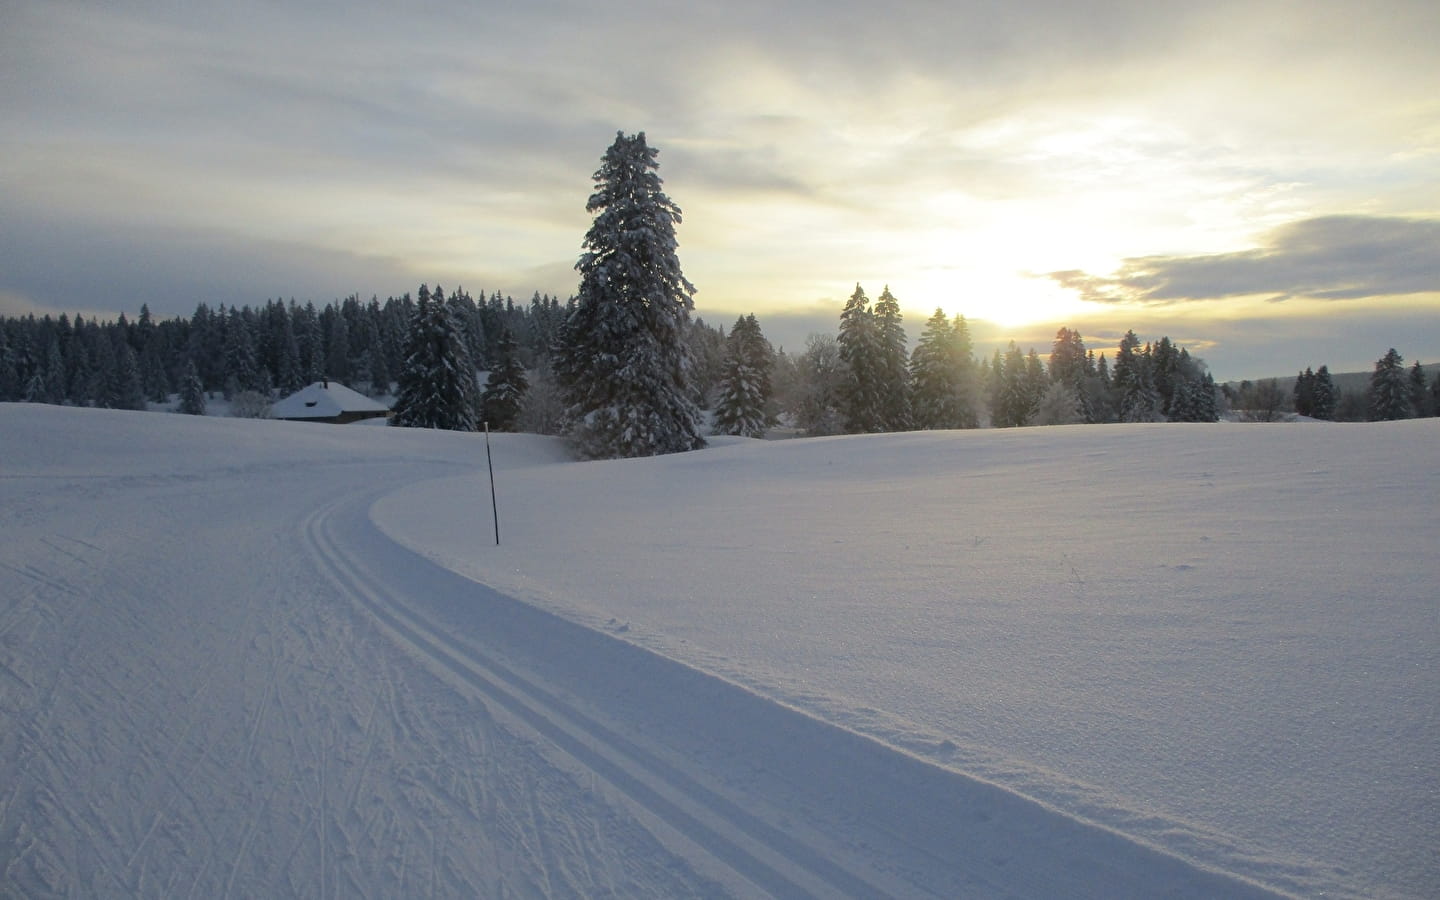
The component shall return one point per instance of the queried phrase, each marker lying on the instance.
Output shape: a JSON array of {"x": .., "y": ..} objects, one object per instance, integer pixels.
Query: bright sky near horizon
[{"x": 1259, "y": 180}]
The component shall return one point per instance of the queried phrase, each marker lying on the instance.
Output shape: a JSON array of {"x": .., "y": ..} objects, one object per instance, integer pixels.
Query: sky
[{"x": 1258, "y": 180}]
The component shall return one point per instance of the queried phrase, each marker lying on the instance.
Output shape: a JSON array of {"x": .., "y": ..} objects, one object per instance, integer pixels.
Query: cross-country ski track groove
[{"x": 783, "y": 804}]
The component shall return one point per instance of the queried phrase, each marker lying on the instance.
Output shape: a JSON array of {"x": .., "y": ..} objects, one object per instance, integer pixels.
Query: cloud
[
  {"x": 62, "y": 265},
  {"x": 1325, "y": 258}
]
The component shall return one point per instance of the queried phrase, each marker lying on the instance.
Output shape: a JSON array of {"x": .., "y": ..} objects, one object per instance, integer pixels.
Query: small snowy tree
[
  {"x": 542, "y": 410},
  {"x": 622, "y": 359},
  {"x": 820, "y": 379},
  {"x": 1324, "y": 397},
  {"x": 1059, "y": 405},
  {"x": 506, "y": 386},
  {"x": 437, "y": 387},
  {"x": 743, "y": 405},
  {"x": 192, "y": 392}
]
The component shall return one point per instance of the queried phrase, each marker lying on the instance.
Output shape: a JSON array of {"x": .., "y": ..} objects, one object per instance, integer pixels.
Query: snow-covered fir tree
[
  {"x": 622, "y": 360},
  {"x": 962, "y": 352},
  {"x": 1020, "y": 384},
  {"x": 123, "y": 389},
  {"x": 1389, "y": 394},
  {"x": 1072, "y": 365},
  {"x": 893, "y": 370},
  {"x": 437, "y": 385},
  {"x": 1324, "y": 396},
  {"x": 743, "y": 406},
  {"x": 820, "y": 376},
  {"x": 1303, "y": 396},
  {"x": 53, "y": 380},
  {"x": 1419, "y": 392},
  {"x": 506, "y": 386},
  {"x": 1131, "y": 380},
  {"x": 935, "y": 376},
  {"x": 861, "y": 399},
  {"x": 241, "y": 368},
  {"x": 192, "y": 392},
  {"x": 1194, "y": 400}
]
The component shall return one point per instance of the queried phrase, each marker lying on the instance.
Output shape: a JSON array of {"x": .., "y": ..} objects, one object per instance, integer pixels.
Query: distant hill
[{"x": 1347, "y": 382}]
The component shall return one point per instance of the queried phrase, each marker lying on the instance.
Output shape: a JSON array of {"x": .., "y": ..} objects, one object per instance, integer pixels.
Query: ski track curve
[
  {"x": 769, "y": 800},
  {"x": 233, "y": 726}
]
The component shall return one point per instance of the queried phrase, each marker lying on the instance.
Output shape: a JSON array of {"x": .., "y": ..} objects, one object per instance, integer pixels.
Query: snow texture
[{"x": 255, "y": 658}]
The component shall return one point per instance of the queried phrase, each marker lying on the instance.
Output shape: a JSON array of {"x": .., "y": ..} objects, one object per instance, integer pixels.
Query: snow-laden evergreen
[
  {"x": 935, "y": 380},
  {"x": 1019, "y": 387},
  {"x": 437, "y": 387},
  {"x": 1135, "y": 383},
  {"x": 743, "y": 407},
  {"x": 862, "y": 405},
  {"x": 192, "y": 392},
  {"x": 622, "y": 358},
  {"x": 1073, "y": 367},
  {"x": 893, "y": 371},
  {"x": 505, "y": 387},
  {"x": 1389, "y": 395}
]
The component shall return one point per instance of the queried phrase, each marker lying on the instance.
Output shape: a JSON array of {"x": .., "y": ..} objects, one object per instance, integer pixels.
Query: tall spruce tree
[
  {"x": 861, "y": 399},
  {"x": 962, "y": 351},
  {"x": 1072, "y": 366},
  {"x": 1021, "y": 383},
  {"x": 622, "y": 359},
  {"x": 935, "y": 376},
  {"x": 1419, "y": 392},
  {"x": 1132, "y": 380},
  {"x": 437, "y": 387},
  {"x": 894, "y": 381},
  {"x": 1304, "y": 393},
  {"x": 1389, "y": 395},
  {"x": 743, "y": 407},
  {"x": 1324, "y": 397}
]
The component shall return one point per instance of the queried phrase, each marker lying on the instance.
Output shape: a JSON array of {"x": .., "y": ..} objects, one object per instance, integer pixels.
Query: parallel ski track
[
  {"x": 746, "y": 844},
  {"x": 922, "y": 831}
]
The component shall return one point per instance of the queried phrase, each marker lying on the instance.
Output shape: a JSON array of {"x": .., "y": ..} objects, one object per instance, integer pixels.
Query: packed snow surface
[{"x": 244, "y": 658}]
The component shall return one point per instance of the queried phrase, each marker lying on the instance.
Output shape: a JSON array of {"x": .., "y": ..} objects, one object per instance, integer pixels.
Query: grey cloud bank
[
  {"x": 1326, "y": 258},
  {"x": 177, "y": 153}
]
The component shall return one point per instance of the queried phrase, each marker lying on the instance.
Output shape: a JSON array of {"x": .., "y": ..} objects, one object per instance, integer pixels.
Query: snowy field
[{"x": 247, "y": 658}]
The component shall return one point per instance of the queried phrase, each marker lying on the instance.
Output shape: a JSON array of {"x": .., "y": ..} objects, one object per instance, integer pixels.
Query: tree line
[
  {"x": 623, "y": 369},
  {"x": 1389, "y": 392},
  {"x": 859, "y": 380}
]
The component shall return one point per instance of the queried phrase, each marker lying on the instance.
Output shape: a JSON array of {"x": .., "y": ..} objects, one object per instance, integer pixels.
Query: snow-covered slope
[{"x": 1182, "y": 660}]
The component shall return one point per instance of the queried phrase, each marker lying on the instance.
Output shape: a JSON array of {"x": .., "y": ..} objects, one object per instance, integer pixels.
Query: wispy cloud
[{"x": 1324, "y": 258}]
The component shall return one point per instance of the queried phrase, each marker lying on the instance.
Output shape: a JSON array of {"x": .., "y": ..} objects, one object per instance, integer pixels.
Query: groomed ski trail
[{"x": 765, "y": 799}]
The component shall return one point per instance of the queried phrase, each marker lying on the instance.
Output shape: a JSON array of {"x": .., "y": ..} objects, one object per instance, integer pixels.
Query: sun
[{"x": 992, "y": 275}]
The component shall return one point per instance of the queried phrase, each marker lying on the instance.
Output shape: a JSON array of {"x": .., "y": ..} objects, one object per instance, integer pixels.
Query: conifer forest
[{"x": 624, "y": 368}]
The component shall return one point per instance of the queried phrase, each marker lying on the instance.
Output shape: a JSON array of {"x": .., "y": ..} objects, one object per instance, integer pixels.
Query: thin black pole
[{"x": 494, "y": 510}]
